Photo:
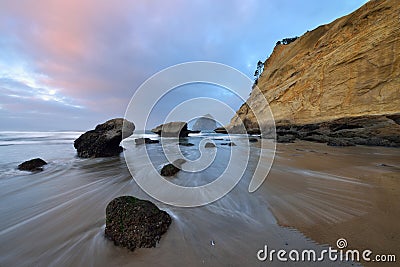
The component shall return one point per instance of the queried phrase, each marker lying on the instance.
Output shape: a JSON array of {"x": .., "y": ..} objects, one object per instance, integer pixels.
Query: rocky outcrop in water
[
  {"x": 173, "y": 129},
  {"x": 364, "y": 130},
  {"x": 221, "y": 130},
  {"x": 33, "y": 165},
  {"x": 172, "y": 168},
  {"x": 347, "y": 69},
  {"x": 209, "y": 145},
  {"x": 135, "y": 223},
  {"x": 205, "y": 123},
  {"x": 104, "y": 140}
]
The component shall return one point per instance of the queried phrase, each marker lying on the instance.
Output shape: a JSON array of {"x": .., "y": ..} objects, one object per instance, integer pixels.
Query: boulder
[
  {"x": 104, "y": 140},
  {"x": 228, "y": 144},
  {"x": 169, "y": 170},
  {"x": 173, "y": 129},
  {"x": 141, "y": 141},
  {"x": 209, "y": 145},
  {"x": 32, "y": 165},
  {"x": 172, "y": 168},
  {"x": 135, "y": 223}
]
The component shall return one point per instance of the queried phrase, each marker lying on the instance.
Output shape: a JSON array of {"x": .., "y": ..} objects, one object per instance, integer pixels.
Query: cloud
[{"x": 94, "y": 54}]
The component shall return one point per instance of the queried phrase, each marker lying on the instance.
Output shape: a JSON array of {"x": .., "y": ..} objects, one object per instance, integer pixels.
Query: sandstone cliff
[{"x": 348, "y": 68}]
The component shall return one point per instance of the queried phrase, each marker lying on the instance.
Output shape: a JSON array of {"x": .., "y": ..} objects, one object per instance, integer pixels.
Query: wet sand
[
  {"x": 314, "y": 195},
  {"x": 329, "y": 193}
]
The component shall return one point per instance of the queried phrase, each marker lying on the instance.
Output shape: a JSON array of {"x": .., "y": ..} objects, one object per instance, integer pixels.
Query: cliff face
[{"x": 348, "y": 68}]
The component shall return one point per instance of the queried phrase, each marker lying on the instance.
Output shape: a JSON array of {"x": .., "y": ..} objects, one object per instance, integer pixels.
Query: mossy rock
[{"x": 135, "y": 223}]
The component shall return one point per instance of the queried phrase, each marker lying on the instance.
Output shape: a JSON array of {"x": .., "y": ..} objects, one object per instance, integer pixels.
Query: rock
[
  {"x": 141, "y": 141},
  {"x": 288, "y": 138},
  {"x": 253, "y": 131},
  {"x": 340, "y": 142},
  {"x": 104, "y": 140},
  {"x": 228, "y": 144},
  {"x": 173, "y": 129},
  {"x": 185, "y": 144},
  {"x": 170, "y": 169},
  {"x": 135, "y": 223},
  {"x": 32, "y": 165},
  {"x": 209, "y": 144},
  {"x": 363, "y": 130},
  {"x": 178, "y": 163},
  {"x": 221, "y": 130},
  {"x": 253, "y": 140},
  {"x": 205, "y": 123},
  {"x": 346, "y": 69}
]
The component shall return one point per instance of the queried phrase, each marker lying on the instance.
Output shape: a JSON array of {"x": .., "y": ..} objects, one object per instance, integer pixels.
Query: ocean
[{"x": 57, "y": 217}]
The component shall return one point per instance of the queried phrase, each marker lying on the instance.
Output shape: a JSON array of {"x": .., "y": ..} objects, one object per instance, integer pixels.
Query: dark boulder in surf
[
  {"x": 33, "y": 165},
  {"x": 209, "y": 145},
  {"x": 104, "y": 140},
  {"x": 185, "y": 143},
  {"x": 135, "y": 223},
  {"x": 169, "y": 170},
  {"x": 228, "y": 144}
]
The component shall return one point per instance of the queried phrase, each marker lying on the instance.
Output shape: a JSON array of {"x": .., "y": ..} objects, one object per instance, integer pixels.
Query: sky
[{"x": 71, "y": 64}]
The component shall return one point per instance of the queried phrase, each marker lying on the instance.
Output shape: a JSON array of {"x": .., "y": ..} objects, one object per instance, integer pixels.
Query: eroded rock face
[
  {"x": 104, "y": 140},
  {"x": 348, "y": 68},
  {"x": 135, "y": 223},
  {"x": 33, "y": 165},
  {"x": 363, "y": 130}
]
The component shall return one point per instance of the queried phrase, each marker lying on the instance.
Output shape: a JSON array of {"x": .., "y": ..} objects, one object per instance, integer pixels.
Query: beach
[{"x": 314, "y": 195}]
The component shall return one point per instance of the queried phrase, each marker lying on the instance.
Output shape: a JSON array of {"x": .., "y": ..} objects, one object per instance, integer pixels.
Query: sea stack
[
  {"x": 105, "y": 139},
  {"x": 338, "y": 81},
  {"x": 172, "y": 129},
  {"x": 205, "y": 123}
]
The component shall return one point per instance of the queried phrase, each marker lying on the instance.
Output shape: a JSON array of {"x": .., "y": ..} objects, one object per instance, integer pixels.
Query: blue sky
[{"x": 68, "y": 65}]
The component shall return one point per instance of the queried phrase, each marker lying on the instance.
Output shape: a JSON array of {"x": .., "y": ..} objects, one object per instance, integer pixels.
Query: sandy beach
[{"x": 313, "y": 195}]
